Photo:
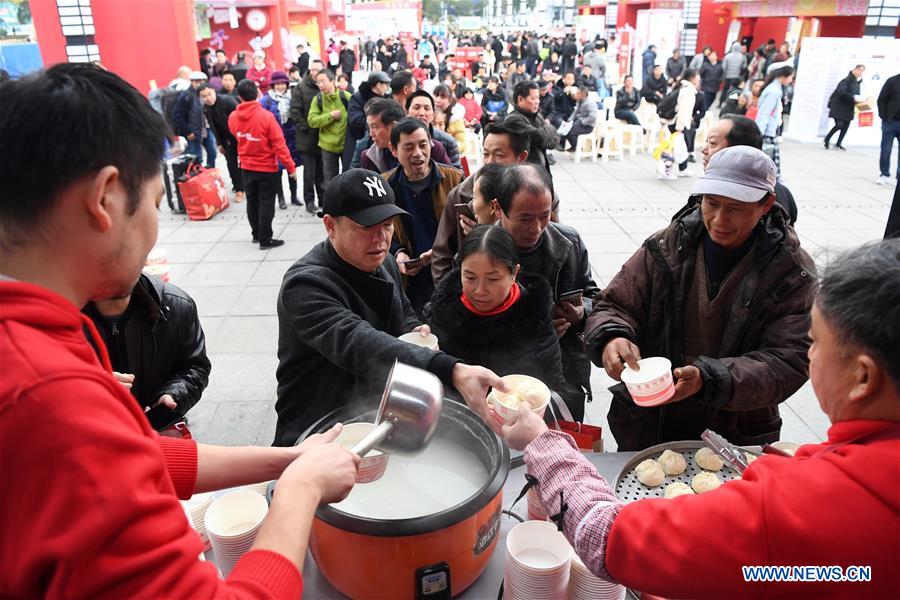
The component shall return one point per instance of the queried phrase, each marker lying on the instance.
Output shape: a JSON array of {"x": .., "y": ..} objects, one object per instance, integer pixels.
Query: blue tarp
[{"x": 20, "y": 59}]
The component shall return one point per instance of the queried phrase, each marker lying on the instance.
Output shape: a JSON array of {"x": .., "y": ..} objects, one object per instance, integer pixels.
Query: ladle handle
[{"x": 375, "y": 437}]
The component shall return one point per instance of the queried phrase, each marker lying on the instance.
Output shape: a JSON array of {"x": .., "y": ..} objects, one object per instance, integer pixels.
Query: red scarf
[{"x": 512, "y": 298}]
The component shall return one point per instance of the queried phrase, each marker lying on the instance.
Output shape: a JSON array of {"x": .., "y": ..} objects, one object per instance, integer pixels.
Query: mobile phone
[
  {"x": 573, "y": 297},
  {"x": 413, "y": 262},
  {"x": 463, "y": 209},
  {"x": 162, "y": 417}
]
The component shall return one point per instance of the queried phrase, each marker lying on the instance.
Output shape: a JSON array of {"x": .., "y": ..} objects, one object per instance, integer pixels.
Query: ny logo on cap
[{"x": 375, "y": 185}]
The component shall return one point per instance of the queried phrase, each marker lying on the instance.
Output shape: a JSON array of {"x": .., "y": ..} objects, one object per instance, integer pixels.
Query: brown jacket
[
  {"x": 761, "y": 360},
  {"x": 449, "y": 179},
  {"x": 450, "y": 236}
]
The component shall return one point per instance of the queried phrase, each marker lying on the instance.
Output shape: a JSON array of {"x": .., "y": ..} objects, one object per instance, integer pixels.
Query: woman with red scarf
[{"x": 485, "y": 312}]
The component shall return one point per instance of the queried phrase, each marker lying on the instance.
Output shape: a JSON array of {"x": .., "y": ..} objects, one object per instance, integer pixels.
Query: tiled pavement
[{"x": 614, "y": 206}]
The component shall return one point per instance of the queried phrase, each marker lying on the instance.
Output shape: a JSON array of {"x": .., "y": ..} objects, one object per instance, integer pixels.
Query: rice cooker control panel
[{"x": 433, "y": 582}]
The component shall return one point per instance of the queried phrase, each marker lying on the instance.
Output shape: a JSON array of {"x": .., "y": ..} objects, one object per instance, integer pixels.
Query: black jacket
[
  {"x": 303, "y": 64},
  {"x": 521, "y": 340},
  {"x": 302, "y": 96},
  {"x": 337, "y": 330},
  {"x": 164, "y": 342},
  {"x": 841, "y": 104},
  {"x": 543, "y": 137},
  {"x": 889, "y": 100},
  {"x": 188, "y": 114},
  {"x": 356, "y": 114},
  {"x": 711, "y": 76},
  {"x": 651, "y": 86},
  {"x": 217, "y": 116},
  {"x": 563, "y": 103},
  {"x": 347, "y": 60},
  {"x": 675, "y": 68},
  {"x": 562, "y": 259},
  {"x": 626, "y": 101}
]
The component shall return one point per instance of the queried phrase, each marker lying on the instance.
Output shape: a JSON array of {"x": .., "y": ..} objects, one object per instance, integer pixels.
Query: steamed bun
[
  {"x": 528, "y": 392},
  {"x": 678, "y": 489},
  {"x": 709, "y": 460},
  {"x": 649, "y": 473},
  {"x": 705, "y": 482},
  {"x": 672, "y": 463}
]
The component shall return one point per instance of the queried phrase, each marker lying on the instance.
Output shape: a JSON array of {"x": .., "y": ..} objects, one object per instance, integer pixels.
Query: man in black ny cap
[
  {"x": 724, "y": 292},
  {"x": 340, "y": 310}
]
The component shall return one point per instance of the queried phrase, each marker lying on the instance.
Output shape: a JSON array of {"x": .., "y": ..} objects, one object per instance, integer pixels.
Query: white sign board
[
  {"x": 658, "y": 27},
  {"x": 823, "y": 63}
]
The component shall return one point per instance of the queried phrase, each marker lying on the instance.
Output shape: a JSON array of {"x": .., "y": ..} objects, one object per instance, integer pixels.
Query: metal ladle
[{"x": 408, "y": 414}]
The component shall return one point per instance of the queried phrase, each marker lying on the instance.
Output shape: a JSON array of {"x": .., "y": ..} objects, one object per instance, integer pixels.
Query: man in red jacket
[
  {"x": 89, "y": 501},
  {"x": 834, "y": 505},
  {"x": 260, "y": 146}
]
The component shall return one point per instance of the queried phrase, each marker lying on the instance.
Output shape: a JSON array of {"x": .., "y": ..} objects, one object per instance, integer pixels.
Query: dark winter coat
[
  {"x": 626, "y": 101},
  {"x": 761, "y": 359},
  {"x": 675, "y": 67},
  {"x": 711, "y": 76},
  {"x": 188, "y": 114},
  {"x": 889, "y": 99},
  {"x": 337, "y": 338},
  {"x": 347, "y": 60},
  {"x": 651, "y": 86},
  {"x": 563, "y": 261},
  {"x": 521, "y": 340},
  {"x": 217, "y": 116},
  {"x": 841, "y": 104},
  {"x": 302, "y": 96},
  {"x": 165, "y": 344}
]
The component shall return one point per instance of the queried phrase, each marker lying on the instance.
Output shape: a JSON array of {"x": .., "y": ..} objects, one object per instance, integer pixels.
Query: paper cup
[
  {"x": 373, "y": 464},
  {"x": 196, "y": 508},
  {"x": 504, "y": 413},
  {"x": 653, "y": 384},
  {"x": 158, "y": 256},
  {"x": 158, "y": 270},
  {"x": 415, "y": 338},
  {"x": 232, "y": 522},
  {"x": 537, "y": 561}
]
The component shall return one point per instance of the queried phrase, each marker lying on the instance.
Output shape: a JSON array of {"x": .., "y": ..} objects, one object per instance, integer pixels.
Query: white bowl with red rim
[
  {"x": 504, "y": 412},
  {"x": 652, "y": 384},
  {"x": 373, "y": 464}
]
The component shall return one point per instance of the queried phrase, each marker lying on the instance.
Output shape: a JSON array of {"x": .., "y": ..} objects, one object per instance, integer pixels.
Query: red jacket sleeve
[
  {"x": 276, "y": 137},
  {"x": 96, "y": 514},
  {"x": 181, "y": 462}
]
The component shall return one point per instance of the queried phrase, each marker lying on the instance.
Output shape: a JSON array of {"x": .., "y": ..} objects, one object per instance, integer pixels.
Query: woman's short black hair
[
  {"x": 494, "y": 241},
  {"x": 406, "y": 126},
  {"x": 65, "y": 123}
]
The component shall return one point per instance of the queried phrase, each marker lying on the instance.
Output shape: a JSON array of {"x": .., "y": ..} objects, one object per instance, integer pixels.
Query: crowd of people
[{"x": 412, "y": 243}]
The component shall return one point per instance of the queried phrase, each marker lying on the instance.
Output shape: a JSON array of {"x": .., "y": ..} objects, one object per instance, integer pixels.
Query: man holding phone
[
  {"x": 422, "y": 188},
  {"x": 557, "y": 253},
  {"x": 502, "y": 145}
]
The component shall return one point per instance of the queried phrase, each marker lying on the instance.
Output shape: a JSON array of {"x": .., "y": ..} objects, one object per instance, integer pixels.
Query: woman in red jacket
[
  {"x": 833, "y": 505},
  {"x": 260, "y": 72}
]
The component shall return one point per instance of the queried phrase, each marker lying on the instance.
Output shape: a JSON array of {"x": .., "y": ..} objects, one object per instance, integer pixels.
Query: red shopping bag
[
  {"x": 203, "y": 192},
  {"x": 588, "y": 438},
  {"x": 866, "y": 118}
]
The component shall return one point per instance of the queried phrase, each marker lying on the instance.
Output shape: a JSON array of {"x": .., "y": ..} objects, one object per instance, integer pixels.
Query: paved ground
[{"x": 614, "y": 205}]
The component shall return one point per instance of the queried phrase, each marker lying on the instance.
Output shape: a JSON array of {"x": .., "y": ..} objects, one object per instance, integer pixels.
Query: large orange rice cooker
[{"x": 429, "y": 556}]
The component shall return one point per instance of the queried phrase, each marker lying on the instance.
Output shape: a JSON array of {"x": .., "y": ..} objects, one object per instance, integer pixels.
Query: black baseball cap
[{"x": 362, "y": 195}]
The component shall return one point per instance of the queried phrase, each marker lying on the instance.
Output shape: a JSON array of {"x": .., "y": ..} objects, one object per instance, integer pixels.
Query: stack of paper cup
[
  {"x": 584, "y": 585},
  {"x": 196, "y": 509},
  {"x": 232, "y": 523},
  {"x": 262, "y": 487},
  {"x": 537, "y": 562},
  {"x": 536, "y": 510}
]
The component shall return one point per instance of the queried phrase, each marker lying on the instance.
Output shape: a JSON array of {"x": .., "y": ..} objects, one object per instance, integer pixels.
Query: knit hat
[{"x": 279, "y": 77}]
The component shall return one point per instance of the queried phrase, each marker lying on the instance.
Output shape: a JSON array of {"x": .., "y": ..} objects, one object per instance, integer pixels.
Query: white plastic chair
[
  {"x": 633, "y": 138},
  {"x": 611, "y": 134},
  {"x": 587, "y": 144}
]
